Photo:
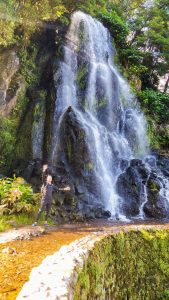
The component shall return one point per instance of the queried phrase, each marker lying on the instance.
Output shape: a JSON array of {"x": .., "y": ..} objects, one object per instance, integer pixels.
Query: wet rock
[
  {"x": 163, "y": 164},
  {"x": 123, "y": 164},
  {"x": 156, "y": 205},
  {"x": 136, "y": 163},
  {"x": 29, "y": 170},
  {"x": 102, "y": 214},
  {"x": 75, "y": 162},
  {"x": 151, "y": 160},
  {"x": 153, "y": 183},
  {"x": 166, "y": 172},
  {"x": 73, "y": 142},
  {"x": 95, "y": 212},
  {"x": 78, "y": 216},
  {"x": 130, "y": 187},
  {"x": 80, "y": 205}
]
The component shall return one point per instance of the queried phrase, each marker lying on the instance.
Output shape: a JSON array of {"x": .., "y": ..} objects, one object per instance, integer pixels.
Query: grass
[
  {"x": 23, "y": 219},
  {"x": 4, "y": 225}
]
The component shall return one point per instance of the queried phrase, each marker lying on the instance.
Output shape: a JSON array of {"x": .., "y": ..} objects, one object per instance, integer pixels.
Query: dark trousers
[{"x": 44, "y": 207}]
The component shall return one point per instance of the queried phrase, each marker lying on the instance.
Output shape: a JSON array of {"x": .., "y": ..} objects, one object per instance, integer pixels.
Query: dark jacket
[{"x": 47, "y": 193}]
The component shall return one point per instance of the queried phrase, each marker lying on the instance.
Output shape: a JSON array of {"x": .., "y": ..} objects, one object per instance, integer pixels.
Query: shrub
[
  {"x": 116, "y": 26},
  {"x": 16, "y": 196},
  {"x": 156, "y": 104}
]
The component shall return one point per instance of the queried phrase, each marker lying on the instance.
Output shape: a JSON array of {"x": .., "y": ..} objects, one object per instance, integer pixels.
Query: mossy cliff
[
  {"x": 33, "y": 69},
  {"x": 127, "y": 266}
]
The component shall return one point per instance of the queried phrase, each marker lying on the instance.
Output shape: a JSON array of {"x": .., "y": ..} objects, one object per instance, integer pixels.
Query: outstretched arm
[
  {"x": 44, "y": 173},
  {"x": 66, "y": 189}
]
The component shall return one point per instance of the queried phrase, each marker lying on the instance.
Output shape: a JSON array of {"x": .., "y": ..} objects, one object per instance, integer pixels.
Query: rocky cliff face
[
  {"x": 26, "y": 93},
  {"x": 10, "y": 82}
]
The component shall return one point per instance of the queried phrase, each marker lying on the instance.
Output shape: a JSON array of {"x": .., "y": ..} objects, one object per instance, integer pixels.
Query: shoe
[
  {"x": 46, "y": 224},
  {"x": 34, "y": 224}
]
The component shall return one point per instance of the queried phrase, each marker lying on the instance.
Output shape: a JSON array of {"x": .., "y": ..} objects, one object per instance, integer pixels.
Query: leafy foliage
[
  {"x": 24, "y": 17},
  {"x": 16, "y": 196},
  {"x": 155, "y": 104},
  {"x": 149, "y": 26},
  {"x": 117, "y": 26}
]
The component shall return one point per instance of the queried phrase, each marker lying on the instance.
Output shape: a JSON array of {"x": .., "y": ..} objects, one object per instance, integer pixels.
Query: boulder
[
  {"x": 156, "y": 205},
  {"x": 163, "y": 164},
  {"x": 130, "y": 187},
  {"x": 123, "y": 164},
  {"x": 74, "y": 154}
]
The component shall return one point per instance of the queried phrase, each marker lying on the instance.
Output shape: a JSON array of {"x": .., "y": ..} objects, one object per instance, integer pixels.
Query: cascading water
[
  {"x": 38, "y": 130},
  {"x": 115, "y": 129}
]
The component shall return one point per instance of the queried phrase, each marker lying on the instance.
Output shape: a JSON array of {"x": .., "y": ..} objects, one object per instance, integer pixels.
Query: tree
[{"x": 149, "y": 27}]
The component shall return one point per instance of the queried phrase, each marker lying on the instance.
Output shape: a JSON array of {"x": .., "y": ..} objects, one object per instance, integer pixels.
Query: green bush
[
  {"x": 156, "y": 107},
  {"x": 155, "y": 104},
  {"x": 16, "y": 196},
  {"x": 116, "y": 25}
]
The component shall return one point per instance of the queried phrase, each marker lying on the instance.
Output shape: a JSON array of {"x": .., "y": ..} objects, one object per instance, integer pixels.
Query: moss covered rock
[{"x": 125, "y": 266}]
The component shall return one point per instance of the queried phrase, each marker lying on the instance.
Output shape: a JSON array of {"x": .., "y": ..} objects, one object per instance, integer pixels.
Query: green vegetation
[
  {"x": 8, "y": 132},
  {"x": 133, "y": 265},
  {"x": 18, "y": 204},
  {"x": 20, "y": 19},
  {"x": 14, "y": 221},
  {"x": 140, "y": 37},
  {"x": 4, "y": 225},
  {"x": 117, "y": 26},
  {"x": 82, "y": 77},
  {"x": 140, "y": 31},
  {"x": 156, "y": 107},
  {"x": 16, "y": 196},
  {"x": 155, "y": 104}
]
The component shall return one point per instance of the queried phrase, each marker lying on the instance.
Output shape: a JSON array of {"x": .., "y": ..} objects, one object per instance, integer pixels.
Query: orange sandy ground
[{"x": 15, "y": 269}]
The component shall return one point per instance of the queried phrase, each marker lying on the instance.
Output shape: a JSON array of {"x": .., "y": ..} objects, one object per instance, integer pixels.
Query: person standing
[{"x": 46, "y": 200}]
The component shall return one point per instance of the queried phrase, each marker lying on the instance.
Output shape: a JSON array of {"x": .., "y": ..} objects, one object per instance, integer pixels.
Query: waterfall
[
  {"x": 114, "y": 126},
  {"x": 38, "y": 130}
]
